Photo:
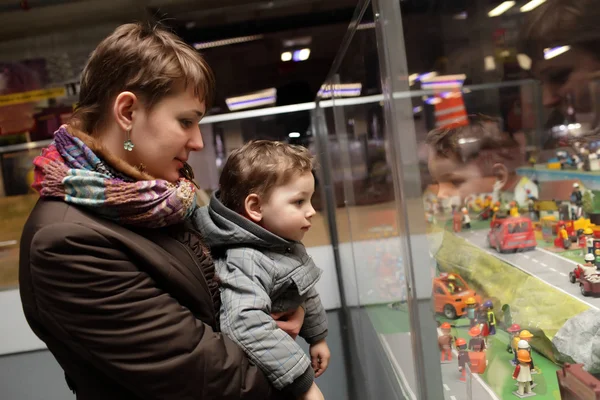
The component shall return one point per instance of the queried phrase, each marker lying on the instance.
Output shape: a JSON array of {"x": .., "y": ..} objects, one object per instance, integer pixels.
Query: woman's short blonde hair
[
  {"x": 258, "y": 167},
  {"x": 144, "y": 59}
]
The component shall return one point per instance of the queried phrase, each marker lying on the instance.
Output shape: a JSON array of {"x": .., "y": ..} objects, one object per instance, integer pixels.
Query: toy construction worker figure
[
  {"x": 576, "y": 201},
  {"x": 522, "y": 373},
  {"x": 463, "y": 358},
  {"x": 445, "y": 342},
  {"x": 476, "y": 343},
  {"x": 514, "y": 210},
  {"x": 524, "y": 336},
  {"x": 471, "y": 307},
  {"x": 514, "y": 330},
  {"x": 451, "y": 283},
  {"x": 491, "y": 317},
  {"x": 563, "y": 235},
  {"x": 589, "y": 239},
  {"x": 524, "y": 345},
  {"x": 466, "y": 220}
]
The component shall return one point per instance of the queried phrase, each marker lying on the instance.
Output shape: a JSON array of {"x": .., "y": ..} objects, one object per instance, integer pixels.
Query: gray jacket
[{"x": 261, "y": 273}]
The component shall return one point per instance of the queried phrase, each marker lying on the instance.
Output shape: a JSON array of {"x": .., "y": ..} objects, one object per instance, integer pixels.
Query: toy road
[{"x": 549, "y": 267}]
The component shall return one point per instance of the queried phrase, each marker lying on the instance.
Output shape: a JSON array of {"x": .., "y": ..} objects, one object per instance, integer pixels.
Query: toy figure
[
  {"x": 451, "y": 283},
  {"x": 531, "y": 206},
  {"x": 466, "y": 220},
  {"x": 524, "y": 345},
  {"x": 514, "y": 210},
  {"x": 471, "y": 306},
  {"x": 482, "y": 322},
  {"x": 445, "y": 342},
  {"x": 589, "y": 240},
  {"x": 514, "y": 329},
  {"x": 491, "y": 317},
  {"x": 463, "y": 357},
  {"x": 476, "y": 343},
  {"x": 456, "y": 220},
  {"x": 525, "y": 336},
  {"x": 576, "y": 201},
  {"x": 522, "y": 374},
  {"x": 563, "y": 235},
  {"x": 589, "y": 268}
]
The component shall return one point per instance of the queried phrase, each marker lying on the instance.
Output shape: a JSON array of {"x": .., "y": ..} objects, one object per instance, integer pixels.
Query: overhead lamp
[
  {"x": 531, "y": 5},
  {"x": 301, "y": 55},
  {"x": 340, "y": 90},
  {"x": 501, "y": 9},
  {"x": 226, "y": 42},
  {"x": 294, "y": 134},
  {"x": 489, "y": 63},
  {"x": 555, "y": 51},
  {"x": 444, "y": 82},
  {"x": 286, "y": 56},
  {"x": 461, "y": 15},
  {"x": 524, "y": 61},
  {"x": 256, "y": 99}
]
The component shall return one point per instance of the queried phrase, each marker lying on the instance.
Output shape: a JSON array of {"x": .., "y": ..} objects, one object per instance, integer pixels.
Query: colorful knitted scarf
[{"x": 69, "y": 170}]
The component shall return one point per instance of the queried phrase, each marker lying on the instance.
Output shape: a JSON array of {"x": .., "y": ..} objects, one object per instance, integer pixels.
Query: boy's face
[
  {"x": 456, "y": 180},
  {"x": 288, "y": 211}
]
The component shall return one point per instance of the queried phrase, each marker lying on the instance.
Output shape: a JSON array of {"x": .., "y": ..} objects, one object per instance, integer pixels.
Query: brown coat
[{"x": 128, "y": 314}]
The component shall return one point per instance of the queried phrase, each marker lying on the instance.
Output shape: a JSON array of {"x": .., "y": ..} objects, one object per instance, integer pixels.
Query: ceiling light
[
  {"x": 286, "y": 56},
  {"x": 489, "y": 63},
  {"x": 531, "y": 5},
  {"x": 555, "y": 51},
  {"x": 340, "y": 90},
  {"x": 256, "y": 99},
  {"x": 294, "y": 134},
  {"x": 524, "y": 61},
  {"x": 301, "y": 55},
  {"x": 461, "y": 15},
  {"x": 226, "y": 42},
  {"x": 501, "y": 9}
]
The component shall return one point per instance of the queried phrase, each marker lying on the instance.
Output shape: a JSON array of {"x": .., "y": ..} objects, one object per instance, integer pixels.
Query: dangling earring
[{"x": 128, "y": 144}]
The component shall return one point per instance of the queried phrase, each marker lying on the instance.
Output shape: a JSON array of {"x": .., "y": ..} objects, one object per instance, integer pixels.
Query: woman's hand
[{"x": 290, "y": 321}]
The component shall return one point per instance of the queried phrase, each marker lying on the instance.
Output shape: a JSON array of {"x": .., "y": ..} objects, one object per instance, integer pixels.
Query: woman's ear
[
  {"x": 501, "y": 173},
  {"x": 123, "y": 108},
  {"x": 252, "y": 207}
]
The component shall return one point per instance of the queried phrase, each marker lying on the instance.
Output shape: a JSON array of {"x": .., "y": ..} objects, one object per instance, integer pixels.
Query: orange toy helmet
[
  {"x": 445, "y": 325},
  {"x": 523, "y": 355},
  {"x": 475, "y": 331},
  {"x": 460, "y": 342}
]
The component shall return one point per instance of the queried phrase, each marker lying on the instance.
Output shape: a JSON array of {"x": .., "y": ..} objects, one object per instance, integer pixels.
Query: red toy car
[{"x": 512, "y": 234}]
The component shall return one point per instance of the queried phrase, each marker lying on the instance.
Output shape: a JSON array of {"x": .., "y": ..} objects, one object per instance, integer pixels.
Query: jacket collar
[{"x": 269, "y": 238}]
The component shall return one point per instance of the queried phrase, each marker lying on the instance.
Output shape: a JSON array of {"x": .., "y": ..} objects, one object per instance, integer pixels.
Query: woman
[
  {"x": 565, "y": 75},
  {"x": 112, "y": 278}
]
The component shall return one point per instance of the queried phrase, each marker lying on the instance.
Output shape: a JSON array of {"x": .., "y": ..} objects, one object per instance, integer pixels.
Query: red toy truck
[
  {"x": 512, "y": 234},
  {"x": 577, "y": 384}
]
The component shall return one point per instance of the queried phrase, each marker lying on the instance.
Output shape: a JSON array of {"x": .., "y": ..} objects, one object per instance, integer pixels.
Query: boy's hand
[
  {"x": 314, "y": 393},
  {"x": 320, "y": 355},
  {"x": 291, "y": 321}
]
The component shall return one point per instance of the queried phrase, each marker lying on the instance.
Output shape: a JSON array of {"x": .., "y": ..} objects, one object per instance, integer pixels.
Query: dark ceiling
[{"x": 250, "y": 66}]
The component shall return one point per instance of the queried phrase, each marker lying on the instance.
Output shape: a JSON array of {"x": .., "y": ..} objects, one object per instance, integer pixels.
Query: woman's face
[
  {"x": 165, "y": 135},
  {"x": 568, "y": 73}
]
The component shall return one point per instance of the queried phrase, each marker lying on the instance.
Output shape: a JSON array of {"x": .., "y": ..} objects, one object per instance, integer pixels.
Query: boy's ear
[
  {"x": 501, "y": 173},
  {"x": 252, "y": 207}
]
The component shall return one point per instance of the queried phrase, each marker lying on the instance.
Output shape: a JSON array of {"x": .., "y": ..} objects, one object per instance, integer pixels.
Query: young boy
[
  {"x": 254, "y": 225},
  {"x": 472, "y": 159}
]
